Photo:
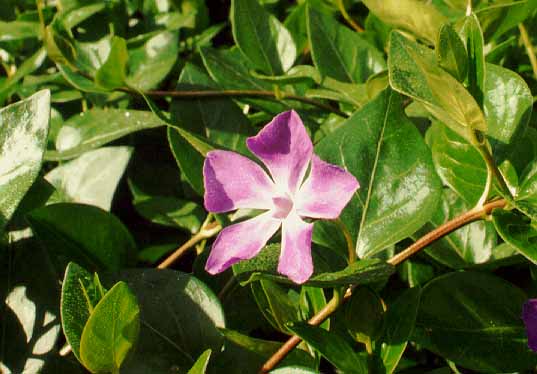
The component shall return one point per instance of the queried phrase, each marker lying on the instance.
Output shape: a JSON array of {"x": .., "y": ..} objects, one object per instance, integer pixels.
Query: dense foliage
[{"x": 111, "y": 106}]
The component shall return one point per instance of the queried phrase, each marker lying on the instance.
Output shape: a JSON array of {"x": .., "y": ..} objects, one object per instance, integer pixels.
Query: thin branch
[
  {"x": 441, "y": 231},
  {"x": 348, "y": 18},
  {"x": 205, "y": 94},
  {"x": 206, "y": 232},
  {"x": 529, "y": 47}
]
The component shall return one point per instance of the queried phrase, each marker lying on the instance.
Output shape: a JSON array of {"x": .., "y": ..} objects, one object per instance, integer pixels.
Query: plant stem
[
  {"x": 491, "y": 166},
  {"x": 347, "y": 17},
  {"x": 348, "y": 239},
  {"x": 529, "y": 47},
  {"x": 205, "y": 94},
  {"x": 472, "y": 215},
  {"x": 206, "y": 231}
]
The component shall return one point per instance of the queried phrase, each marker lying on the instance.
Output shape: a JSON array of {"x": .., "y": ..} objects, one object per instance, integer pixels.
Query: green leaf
[
  {"x": 219, "y": 119},
  {"x": 388, "y": 156},
  {"x": 278, "y": 304},
  {"x": 470, "y": 32},
  {"x": 417, "y": 17},
  {"x": 200, "y": 366},
  {"x": 112, "y": 73},
  {"x": 364, "y": 315},
  {"x": 111, "y": 331},
  {"x": 85, "y": 131},
  {"x": 16, "y": 30},
  {"x": 413, "y": 72},
  {"x": 30, "y": 321},
  {"x": 400, "y": 320},
  {"x": 471, "y": 244},
  {"x": 150, "y": 62},
  {"x": 451, "y": 53},
  {"x": 517, "y": 230},
  {"x": 481, "y": 310},
  {"x": 264, "y": 266},
  {"x": 26, "y": 68},
  {"x": 179, "y": 317},
  {"x": 83, "y": 233},
  {"x": 244, "y": 354},
  {"x": 458, "y": 163},
  {"x": 230, "y": 70},
  {"x": 261, "y": 37},
  {"x": 189, "y": 160},
  {"x": 23, "y": 136},
  {"x": 497, "y": 20},
  {"x": 91, "y": 178},
  {"x": 332, "y": 347},
  {"x": 81, "y": 292},
  {"x": 508, "y": 104},
  {"x": 339, "y": 52}
]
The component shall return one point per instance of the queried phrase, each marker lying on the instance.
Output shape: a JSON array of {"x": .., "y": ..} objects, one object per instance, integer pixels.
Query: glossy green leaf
[
  {"x": 471, "y": 307},
  {"x": 415, "y": 272},
  {"x": 470, "y": 244},
  {"x": 264, "y": 266},
  {"x": 339, "y": 52},
  {"x": 278, "y": 304},
  {"x": 332, "y": 347},
  {"x": 245, "y": 354},
  {"x": 508, "y": 104},
  {"x": 498, "y": 20},
  {"x": 458, "y": 163},
  {"x": 413, "y": 72},
  {"x": 188, "y": 158},
  {"x": 517, "y": 230},
  {"x": 400, "y": 320},
  {"x": 95, "y": 239},
  {"x": 91, "y": 178},
  {"x": 84, "y": 132},
  {"x": 179, "y": 317},
  {"x": 23, "y": 136},
  {"x": 364, "y": 315},
  {"x": 112, "y": 73},
  {"x": 231, "y": 70},
  {"x": 451, "y": 53},
  {"x": 261, "y": 37},
  {"x": 470, "y": 31},
  {"x": 200, "y": 366},
  {"x": 417, "y": 17},
  {"x": 151, "y": 62},
  {"x": 388, "y": 156},
  {"x": 16, "y": 30},
  {"x": 30, "y": 321},
  {"x": 111, "y": 331},
  {"x": 81, "y": 292},
  {"x": 219, "y": 119}
]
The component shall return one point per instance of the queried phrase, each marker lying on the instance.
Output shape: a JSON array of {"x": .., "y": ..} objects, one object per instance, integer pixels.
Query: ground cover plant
[{"x": 268, "y": 186}]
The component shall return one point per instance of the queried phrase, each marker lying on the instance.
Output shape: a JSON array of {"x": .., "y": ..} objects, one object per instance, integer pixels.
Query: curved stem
[
  {"x": 205, "y": 232},
  {"x": 350, "y": 21},
  {"x": 472, "y": 215}
]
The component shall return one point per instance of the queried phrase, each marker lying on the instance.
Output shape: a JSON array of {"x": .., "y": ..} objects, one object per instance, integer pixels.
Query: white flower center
[{"x": 282, "y": 206}]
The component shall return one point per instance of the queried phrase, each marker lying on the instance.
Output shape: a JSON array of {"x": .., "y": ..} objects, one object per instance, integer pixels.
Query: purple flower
[
  {"x": 233, "y": 181},
  {"x": 529, "y": 315}
]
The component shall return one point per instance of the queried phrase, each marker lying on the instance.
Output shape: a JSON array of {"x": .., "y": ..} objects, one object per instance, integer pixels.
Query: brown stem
[
  {"x": 206, "y": 232},
  {"x": 448, "y": 227},
  {"x": 201, "y": 94}
]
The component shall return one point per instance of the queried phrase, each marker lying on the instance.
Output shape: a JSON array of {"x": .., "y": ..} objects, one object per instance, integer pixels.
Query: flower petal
[
  {"x": 326, "y": 191},
  {"x": 295, "y": 258},
  {"x": 285, "y": 148},
  {"x": 233, "y": 181},
  {"x": 241, "y": 241},
  {"x": 529, "y": 315}
]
